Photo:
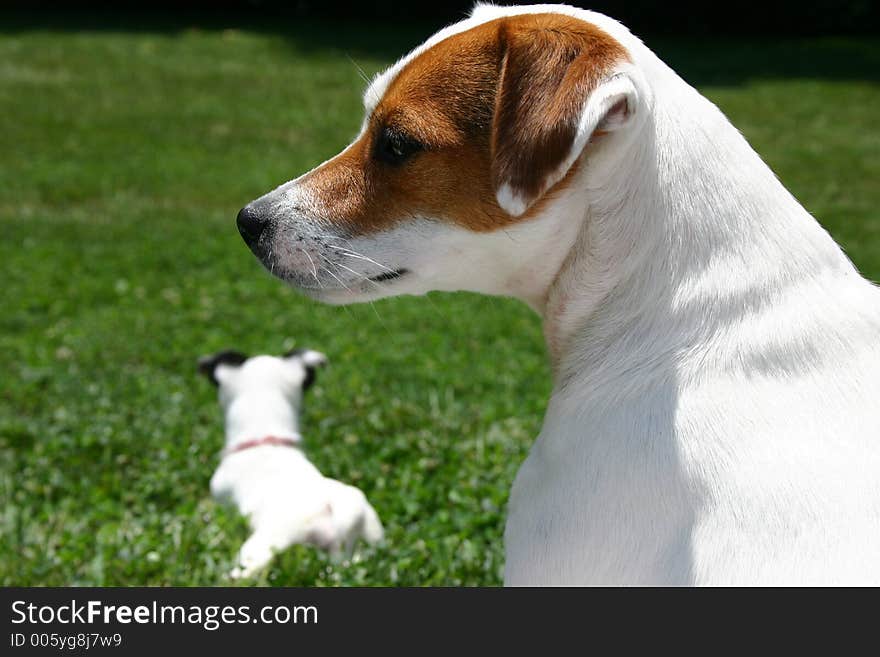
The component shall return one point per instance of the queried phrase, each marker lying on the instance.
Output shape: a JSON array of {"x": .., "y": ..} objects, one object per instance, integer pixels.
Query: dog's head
[
  {"x": 236, "y": 374},
  {"x": 466, "y": 143}
]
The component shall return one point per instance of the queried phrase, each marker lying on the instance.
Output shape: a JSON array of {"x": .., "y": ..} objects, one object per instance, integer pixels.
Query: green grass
[{"x": 124, "y": 156}]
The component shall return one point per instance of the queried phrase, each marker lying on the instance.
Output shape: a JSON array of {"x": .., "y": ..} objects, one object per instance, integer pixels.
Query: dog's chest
[
  {"x": 603, "y": 513},
  {"x": 731, "y": 481}
]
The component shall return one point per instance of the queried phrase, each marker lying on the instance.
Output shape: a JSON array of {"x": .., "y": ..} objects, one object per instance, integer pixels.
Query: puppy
[
  {"x": 716, "y": 357},
  {"x": 264, "y": 470}
]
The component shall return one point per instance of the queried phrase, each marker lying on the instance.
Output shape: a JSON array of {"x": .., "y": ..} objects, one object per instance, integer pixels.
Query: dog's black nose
[{"x": 251, "y": 224}]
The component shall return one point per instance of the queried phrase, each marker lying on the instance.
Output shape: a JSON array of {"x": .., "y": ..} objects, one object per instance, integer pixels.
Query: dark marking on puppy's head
[
  {"x": 208, "y": 364},
  {"x": 310, "y": 360}
]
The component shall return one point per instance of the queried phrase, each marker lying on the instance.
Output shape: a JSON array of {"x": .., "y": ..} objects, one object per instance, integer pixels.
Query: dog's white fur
[
  {"x": 285, "y": 498},
  {"x": 715, "y": 416}
]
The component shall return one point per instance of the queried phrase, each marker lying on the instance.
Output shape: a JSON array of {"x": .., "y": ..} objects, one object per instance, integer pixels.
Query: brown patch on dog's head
[{"x": 495, "y": 105}]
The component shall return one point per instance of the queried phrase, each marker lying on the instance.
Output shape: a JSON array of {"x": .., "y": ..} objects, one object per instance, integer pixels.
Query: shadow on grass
[{"x": 702, "y": 61}]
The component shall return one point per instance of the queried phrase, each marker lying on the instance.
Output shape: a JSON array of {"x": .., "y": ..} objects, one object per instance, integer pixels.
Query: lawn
[{"x": 124, "y": 157}]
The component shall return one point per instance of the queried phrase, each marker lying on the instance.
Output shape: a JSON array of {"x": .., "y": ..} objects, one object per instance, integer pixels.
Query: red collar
[{"x": 293, "y": 441}]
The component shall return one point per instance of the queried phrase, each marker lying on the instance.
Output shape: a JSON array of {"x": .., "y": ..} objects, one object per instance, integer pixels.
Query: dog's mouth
[
  {"x": 389, "y": 275},
  {"x": 321, "y": 287}
]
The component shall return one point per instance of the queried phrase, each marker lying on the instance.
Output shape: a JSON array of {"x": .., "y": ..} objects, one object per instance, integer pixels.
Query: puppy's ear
[
  {"x": 208, "y": 364},
  {"x": 311, "y": 360},
  {"x": 562, "y": 83}
]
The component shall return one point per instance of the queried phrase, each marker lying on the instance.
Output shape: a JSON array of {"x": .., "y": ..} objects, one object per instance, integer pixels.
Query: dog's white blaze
[
  {"x": 377, "y": 88},
  {"x": 481, "y": 13}
]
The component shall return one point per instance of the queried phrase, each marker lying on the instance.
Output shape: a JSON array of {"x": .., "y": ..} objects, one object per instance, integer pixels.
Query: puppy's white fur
[
  {"x": 715, "y": 415},
  {"x": 285, "y": 498}
]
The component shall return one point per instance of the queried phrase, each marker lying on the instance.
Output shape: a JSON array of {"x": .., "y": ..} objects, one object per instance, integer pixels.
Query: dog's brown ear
[{"x": 557, "y": 89}]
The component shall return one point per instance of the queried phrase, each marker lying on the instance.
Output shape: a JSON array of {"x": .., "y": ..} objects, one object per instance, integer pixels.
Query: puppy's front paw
[
  {"x": 255, "y": 554},
  {"x": 240, "y": 572}
]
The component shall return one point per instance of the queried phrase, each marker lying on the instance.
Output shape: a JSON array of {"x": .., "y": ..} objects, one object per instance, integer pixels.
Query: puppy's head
[
  {"x": 465, "y": 143},
  {"x": 236, "y": 374}
]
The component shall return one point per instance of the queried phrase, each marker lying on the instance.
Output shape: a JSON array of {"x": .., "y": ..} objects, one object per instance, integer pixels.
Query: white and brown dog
[
  {"x": 264, "y": 471},
  {"x": 715, "y": 416}
]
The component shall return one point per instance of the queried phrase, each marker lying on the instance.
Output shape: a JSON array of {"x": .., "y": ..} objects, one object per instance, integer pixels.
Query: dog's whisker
[
  {"x": 348, "y": 310},
  {"x": 360, "y": 70},
  {"x": 361, "y": 277},
  {"x": 337, "y": 279},
  {"x": 314, "y": 270},
  {"x": 356, "y": 273},
  {"x": 271, "y": 259},
  {"x": 360, "y": 256},
  {"x": 367, "y": 280},
  {"x": 376, "y": 312}
]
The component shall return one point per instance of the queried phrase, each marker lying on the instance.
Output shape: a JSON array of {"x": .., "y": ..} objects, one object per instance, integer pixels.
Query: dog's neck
[
  {"x": 673, "y": 226},
  {"x": 258, "y": 414}
]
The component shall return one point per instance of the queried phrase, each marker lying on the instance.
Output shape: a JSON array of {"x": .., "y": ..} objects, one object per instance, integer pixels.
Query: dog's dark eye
[{"x": 395, "y": 147}]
